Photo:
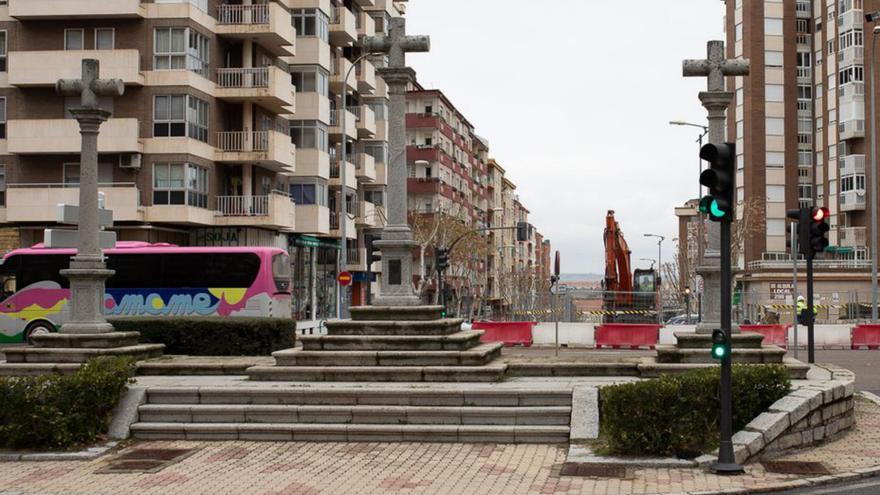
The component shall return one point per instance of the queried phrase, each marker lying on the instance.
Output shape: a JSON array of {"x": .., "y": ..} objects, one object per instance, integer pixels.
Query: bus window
[{"x": 281, "y": 272}]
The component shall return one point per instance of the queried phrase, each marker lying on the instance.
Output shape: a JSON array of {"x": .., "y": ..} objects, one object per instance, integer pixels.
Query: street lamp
[
  {"x": 687, "y": 305},
  {"x": 652, "y": 260},
  {"x": 873, "y": 17},
  {"x": 659, "y": 275}
]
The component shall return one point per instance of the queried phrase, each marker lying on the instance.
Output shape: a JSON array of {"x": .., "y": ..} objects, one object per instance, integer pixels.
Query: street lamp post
[
  {"x": 687, "y": 305},
  {"x": 659, "y": 275},
  {"x": 873, "y": 17}
]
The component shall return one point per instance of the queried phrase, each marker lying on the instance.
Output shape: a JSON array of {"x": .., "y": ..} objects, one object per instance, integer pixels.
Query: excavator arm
[{"x": 618, "y": 271}]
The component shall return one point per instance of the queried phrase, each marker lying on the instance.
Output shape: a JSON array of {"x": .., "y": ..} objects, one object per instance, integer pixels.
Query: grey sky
[{"x": 575, "y": 97}]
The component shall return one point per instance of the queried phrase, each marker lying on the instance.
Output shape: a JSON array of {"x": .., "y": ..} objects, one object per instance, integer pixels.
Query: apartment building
[
  {"x": 228, "y": 132},
  {"x": 799, "y": 124}
]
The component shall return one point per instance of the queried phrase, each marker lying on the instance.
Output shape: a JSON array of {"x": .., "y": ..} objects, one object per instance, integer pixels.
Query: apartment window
[
  {"x": 375, "y": 197},
  {"x": 311, "y": 22},
  {"x": 311, "y": 80},
  {"x": 851, "y": 37},
  {"x": 73, "y": 39},
  {"x": 309, "y": 134},
  {"x": 775, "y": 159},
  {"x": 181, "y": 48},
  {"x": 775, "y": 126},
  {"x": 179, "y": 116},
  {"x": 3, "y": 117},
  {"x": 312, "y": 193},
  {"x": 380, "y": 109},
  {"x": 774, "y": 92},
  {"x": 773, "y": 27},
  {"x": 805, "y": 158},
  {"x": 201, "y": 4},
  {"x": 740, "y": 162},
  {"x": 180, "y": 184},
  {"x": 378, "y": 150},
  {"x": 70, "y": 174},
  {"x": 775, "y": 226},
  {"x": 775, "y": 194},
  {"x": 804, "y": 59},
  {"x": 2, "y": 51},
  {"x": 738, "y": 29},
  {"x": 105, "y": 38},
  {"x": 803, "y": 26},
  {"x": 854, "y": 73},
  {"x": 773, "y": 58}
]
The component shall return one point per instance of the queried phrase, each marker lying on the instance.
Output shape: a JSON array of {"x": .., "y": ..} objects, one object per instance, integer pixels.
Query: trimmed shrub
[
  {"x": 677, "y": 415},
  {"x": 213, "y": 336},
  {"x": 61, "y": 411}
]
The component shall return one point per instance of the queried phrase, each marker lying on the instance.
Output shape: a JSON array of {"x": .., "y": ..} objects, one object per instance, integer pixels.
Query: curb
[{"x": 83, "y": 455}]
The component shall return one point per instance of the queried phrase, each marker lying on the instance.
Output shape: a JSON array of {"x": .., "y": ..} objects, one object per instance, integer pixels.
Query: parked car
[{"x": 682, "y": 319}]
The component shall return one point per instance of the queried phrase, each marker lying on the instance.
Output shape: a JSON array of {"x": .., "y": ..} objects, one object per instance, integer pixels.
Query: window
[
  {"x": 775, "y": 126},
  {"x": 180, "y": 184},
  {"x": 73, "y": 39},
  {"x": 179, "y": 116},
  {"x": 775, "y": 226},
  {"x": 311, "y": 80},
  {"x": 773, "y": 58},
  {"x": 775, "y": 159},
  {"x": 105, "y": 38},
  {"x": 803, "y": 26},
  {"x": 181, "y": 48},
  {"x": 3, "y": 117},
  {"x": 311, "y": 22},
  {"x": 854, "y": 73},
  {"x": 377, "y": 150},
  {"x": 775, "y": 92},
  {"x": 309, "y": 193},
  {"x": 805, "y": 92},
  {"x": 773, "y": 27},
  {"x": 775, "y": 194},
  {"x": 309, "y": 134},
  {"x": 182, "y": 270},
  {"x": 380, "y": 109},
  {"x": 804, "y": 59},
  {"x": 2, "y": 51},
  {"x": 738, "y": 30},
  {"x": 71, "y": 174}
]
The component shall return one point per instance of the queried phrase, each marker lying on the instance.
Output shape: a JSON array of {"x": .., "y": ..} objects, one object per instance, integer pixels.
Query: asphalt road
[
  {"x": 865, "y": 364},
  {"x": 869, "y": 487}
]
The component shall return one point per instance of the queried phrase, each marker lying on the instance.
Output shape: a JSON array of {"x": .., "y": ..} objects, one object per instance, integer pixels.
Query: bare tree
[{"x": 749, "y": 222}]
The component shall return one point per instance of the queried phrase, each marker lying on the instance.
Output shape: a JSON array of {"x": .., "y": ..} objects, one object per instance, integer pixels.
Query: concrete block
[
  {"x": 752, "y": 440},
  {"x": 814, "y": 396},
  {"x": 789, "y": 441},
  {"x": 796, "y": 407},
  {"x": 125, "y": 413},
  {"x": 432, "y": 416},
  {"x": 818, "y": 433},
  {"x": 556, "y": 415},
  {"x": 849, "y": 389},
  {"x": 771, "y": 425},
  {"x": 584, "y": 413},
  {"x": 807, "y": 437},
  {"x": 741, "y": 454}
]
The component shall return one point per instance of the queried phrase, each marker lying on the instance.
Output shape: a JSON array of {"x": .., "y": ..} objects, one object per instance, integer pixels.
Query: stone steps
[
  {"x": 87, "y": 340},
  {"x": 298, "y": 432},
  {"x": 37, "y": 369},
  {"x": 445, "y": 326},
  {"x": 476, "y": 356},
  {"x": 744, "y": 340},
  {"x": 396, "y": 313},
  {"x": 358, "y": 414},
  {"x": 459, "y": 341},
  {"x": 487, "y": 373},
  {"x": 673, "y": 354},
  {"x": 78, "y": 355}
]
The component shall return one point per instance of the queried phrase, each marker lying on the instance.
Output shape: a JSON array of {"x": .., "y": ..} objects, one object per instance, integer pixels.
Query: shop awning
[
  {"x": 312, "y": 241},
  {"x": 839, "y": 249}
]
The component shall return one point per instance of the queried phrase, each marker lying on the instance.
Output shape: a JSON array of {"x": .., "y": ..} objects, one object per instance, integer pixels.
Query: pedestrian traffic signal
[
  {"x": 522, "y": 231},
  {"x": 719, "y": 345},
  {"x": 442, "y": 259},
  {"x": 719, "y": 179},
  {"x": 818, "y": 229}
]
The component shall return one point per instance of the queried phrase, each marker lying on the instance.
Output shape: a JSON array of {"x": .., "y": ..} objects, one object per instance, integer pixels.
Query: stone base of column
[
  {"x": 87, "y": 276},
  {"x": 396, "y": 288}
]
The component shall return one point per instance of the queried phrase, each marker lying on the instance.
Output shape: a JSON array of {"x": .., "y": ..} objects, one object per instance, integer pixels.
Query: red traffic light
[{"x": 820, "y": 214}]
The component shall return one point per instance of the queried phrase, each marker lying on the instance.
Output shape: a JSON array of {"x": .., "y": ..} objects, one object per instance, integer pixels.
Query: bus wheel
[{"x": 37, "y": 328}]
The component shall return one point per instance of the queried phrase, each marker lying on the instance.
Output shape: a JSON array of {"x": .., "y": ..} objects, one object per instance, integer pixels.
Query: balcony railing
[
  {"x": 356, "y": 110},
  {"x": 243, "y": 14},
  {"x": 257, "y": 77},
  {"x": 243, "y": 206},
  {"x": 828, "y": 264},
  {"x": 353, "y": 256},
  {"x": 804, "y": 72},
  {"x": 334, "y": 220},
  {"x": 243, "y": 141},
  {"x": 853, "y": 236},
  {"x": 851, "y": 89}
]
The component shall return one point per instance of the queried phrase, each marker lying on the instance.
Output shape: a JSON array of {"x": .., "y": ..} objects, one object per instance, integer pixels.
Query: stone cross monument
[
  {"x": 397, "y": 242},
  {"x": 88, "y": 272},
  {"x": 716, "y": 100}
]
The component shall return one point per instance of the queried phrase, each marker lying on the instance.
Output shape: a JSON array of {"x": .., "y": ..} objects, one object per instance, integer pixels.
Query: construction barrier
[
  {"x": 865, "y": 335},
  {"x": 627, "y": 335},
  {"x": 511, "y": 333},
  {"x": 773, "y": 334}
]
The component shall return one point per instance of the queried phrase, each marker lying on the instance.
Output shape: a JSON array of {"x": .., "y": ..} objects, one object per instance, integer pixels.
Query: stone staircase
[
  {"x": 746, "y": 347},
  {"x": 58, "y": 349},
  {"x": 343, "y": 414},
  {"x": 388, "y": 344}
]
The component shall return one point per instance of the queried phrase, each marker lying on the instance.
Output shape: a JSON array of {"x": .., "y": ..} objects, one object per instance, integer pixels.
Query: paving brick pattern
[{"x": 372, "y": 468}]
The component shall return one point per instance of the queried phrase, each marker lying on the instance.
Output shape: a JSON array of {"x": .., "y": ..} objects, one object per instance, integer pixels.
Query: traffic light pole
[
  {"x": 811, "y": 316},
  {"x": 726, "y": 461}
]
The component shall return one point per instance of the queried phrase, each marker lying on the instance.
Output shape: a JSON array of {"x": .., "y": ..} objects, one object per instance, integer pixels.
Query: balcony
[
  {"x": 381, "y": 174},
  {"x": 350, "y": 174},
  {"x": 311, "y": 162},
  {"x": 357, "y": 259},
  {"x": 82, "y": 9},
  {"x": 312, "y": 106},
  {"x": 805, "y": 74},
  {"x": 852, "y": 200},
  {"x": 312, "y": 219},
  {"x": 269, "y": 87},
  {"x": 46, "y": 67},
  {"x": 270, "y": 149},
  {"x": 61, "y": 136},
  {"x": 313, "y": 51},
  {"x": 366, "y": 121},
  {"x": 366, "y": 3},
  {"x": 350, "y": 229},
  {"x": 39, "y": 202},
  {"x": 853, "y": 236},
  {"x": 853, "y": 19},
  {"x": 336, "y": 123},
  {"x": 366, "y": 25},
  {"x": 852, "y": 164},
  {"x": 366, "y": 77},
  {"x": 366, "y": 167},
  {"x": 854, "y": 128},
  {"x": 269, "y": 24},
  {"x": 850, "y": 56},
  {"x": 343, "y": 26},
  {"x": 367, "y": 214},
  {"x": 851, "y": 90},
  {"x": 274, "y": 210},
  {"x": 340, "y": 69}
]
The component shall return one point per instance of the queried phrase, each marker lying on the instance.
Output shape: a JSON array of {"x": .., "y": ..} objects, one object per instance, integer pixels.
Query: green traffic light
[
  {"x": 719, "y": 351},
  {"x": 710, "y": 206},
  {"x": 715, "y": 210}
]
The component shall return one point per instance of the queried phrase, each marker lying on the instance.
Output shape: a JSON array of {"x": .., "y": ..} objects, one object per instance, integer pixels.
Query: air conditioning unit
[{"x": 130, "y": 161}]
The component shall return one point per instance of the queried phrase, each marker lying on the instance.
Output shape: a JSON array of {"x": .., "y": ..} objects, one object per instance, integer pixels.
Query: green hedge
[
  {"x": 677, "y": 415},
  {"x": 213, "y": 336},
  {"x": 60, "y": 411}
]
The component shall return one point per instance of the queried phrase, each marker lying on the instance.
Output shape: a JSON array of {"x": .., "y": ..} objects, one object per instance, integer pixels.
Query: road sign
[{"x": 344, "y": 278}]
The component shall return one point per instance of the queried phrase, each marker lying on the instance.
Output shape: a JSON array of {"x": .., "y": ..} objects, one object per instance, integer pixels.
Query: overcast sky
[{"x": 575, "y": 97}]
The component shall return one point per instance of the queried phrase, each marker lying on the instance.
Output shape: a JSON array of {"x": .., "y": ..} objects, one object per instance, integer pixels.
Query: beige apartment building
[
  {"x": 799, "y": 124},
  {"x": 229, "y": 131}
]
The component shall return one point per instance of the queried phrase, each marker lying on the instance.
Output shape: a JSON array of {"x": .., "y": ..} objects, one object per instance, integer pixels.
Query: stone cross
[
  {"x": 397, "y": 243},
  {"x": 88, "y": 272},
  {"x": 715, "y": 100}
]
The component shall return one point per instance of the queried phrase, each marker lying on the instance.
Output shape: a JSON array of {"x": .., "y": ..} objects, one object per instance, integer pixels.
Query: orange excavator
[{"x": 630, "y": 298}]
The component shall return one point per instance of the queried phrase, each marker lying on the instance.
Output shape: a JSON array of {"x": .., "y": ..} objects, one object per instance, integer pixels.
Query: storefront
[{"x": 313, "y": 263}]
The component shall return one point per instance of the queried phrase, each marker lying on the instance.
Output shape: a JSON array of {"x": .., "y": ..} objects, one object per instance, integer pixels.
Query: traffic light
[
  {"x": 719, "y": 345},
  {"x": 818, "y": 228},
  {"x": 719, "y": 179},
  {"x": 522, "y": 231},
  {"x": 802, "y": 215},
  {"x": 442, "y": 259},
  {"x": 374, "y": 255}
]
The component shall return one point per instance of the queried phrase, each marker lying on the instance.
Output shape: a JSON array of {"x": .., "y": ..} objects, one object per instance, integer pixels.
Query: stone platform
[
  {"x": 393, "y": 344},
  {"x": 747, "y": 347},
  {"x": 63, "y": 348}
]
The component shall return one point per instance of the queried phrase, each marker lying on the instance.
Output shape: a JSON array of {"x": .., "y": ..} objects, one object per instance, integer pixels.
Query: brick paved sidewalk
[{"x": 349, "y": 468}]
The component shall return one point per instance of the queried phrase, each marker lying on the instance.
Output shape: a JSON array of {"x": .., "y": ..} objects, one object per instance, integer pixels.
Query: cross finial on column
[
  {"x": 714, "y": 67},
  {"x": 89, "y": 87}
]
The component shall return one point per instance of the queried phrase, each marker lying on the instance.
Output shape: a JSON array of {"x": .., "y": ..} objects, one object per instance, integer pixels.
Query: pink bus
[{"x": 150, "y": 280}]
